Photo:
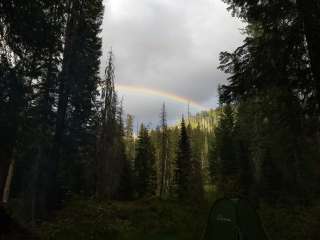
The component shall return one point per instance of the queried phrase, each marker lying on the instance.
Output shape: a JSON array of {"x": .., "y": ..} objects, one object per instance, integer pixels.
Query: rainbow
[{"x": 156, "y": 92}]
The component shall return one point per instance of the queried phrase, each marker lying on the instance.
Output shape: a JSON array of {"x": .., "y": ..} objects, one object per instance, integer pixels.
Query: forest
[{"x": 73, "y": 167}]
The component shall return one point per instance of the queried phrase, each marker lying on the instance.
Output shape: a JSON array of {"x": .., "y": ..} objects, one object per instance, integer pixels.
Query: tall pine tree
[
  {"x": 144, "y": 165},
  {"x": 164, "y": 152},
  {"x": 110, "y": 150},
  {"x": 184, "y": 164}
]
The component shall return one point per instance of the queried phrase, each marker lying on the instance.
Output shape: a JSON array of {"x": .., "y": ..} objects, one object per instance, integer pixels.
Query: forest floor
[{"x": 154, "y": 219}]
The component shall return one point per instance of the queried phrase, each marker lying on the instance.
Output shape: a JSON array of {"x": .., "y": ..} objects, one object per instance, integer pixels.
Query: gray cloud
[{"x": 169, "y": 45}]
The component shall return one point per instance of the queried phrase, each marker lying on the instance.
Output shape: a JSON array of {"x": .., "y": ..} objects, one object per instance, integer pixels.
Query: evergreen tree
[
  {"x": 197, "y": 146},
  {"x": 214, "y": 167},
  {"x": 110, "y": 164},
  {"x": 82, "y": 112},
  {"x": 50, "y": 54},
  {"x": 223, "y": 157},
  {"x": 31, "y": 48},
  {"x": 242, "y": 149},
  {"x": 126, "y": 177},
  {"x": 129, "y": 139},
  {"x": 184, "y": 164},
  {"x": 77, "y": 87},
  {"x": 144, "y": 165},
  {"x": 164, "y": 152},
  {"x": 274, "y": 73}
]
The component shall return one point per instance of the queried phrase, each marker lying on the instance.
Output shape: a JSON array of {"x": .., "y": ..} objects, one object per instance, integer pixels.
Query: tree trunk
[
  {"x": 4, "y": 167},
  {"x": 7, "y": 186}
]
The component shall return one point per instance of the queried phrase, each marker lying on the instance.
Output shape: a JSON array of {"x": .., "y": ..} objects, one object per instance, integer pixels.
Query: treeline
[
  {"x": 266, "y": 144},
  {"x": 166, "y": 162},
  {"x": 165, "y": 140}
]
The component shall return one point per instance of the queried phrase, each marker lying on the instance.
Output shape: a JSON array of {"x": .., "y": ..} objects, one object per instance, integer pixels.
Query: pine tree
[
  {"x": 164, "y": 152},
  {"x": 126, "y": 177},
  {"x": 50, "y": 54},
  {"x": 214, "y": 164},
  {"x": 224, "y": 156},
  {"x": 275, "y": 54},
  {"x": 243, "y": 149},
  {"x": 144, "y": 165},
  {"x": 184, "y": 164},
  {"x": 77, "y": 88},
  {"x": 129, "y": 139},
  {"x": 29, "y": 69},
  {"x": 82, "y": 124},
  {"x": 109, "y": 163},
  {"x": 275, "y": 72},
  {"x": 197, "y": 146}
]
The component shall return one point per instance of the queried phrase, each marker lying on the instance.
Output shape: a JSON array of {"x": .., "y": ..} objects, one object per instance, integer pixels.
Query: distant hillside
[{"x": 207, "y": 120}]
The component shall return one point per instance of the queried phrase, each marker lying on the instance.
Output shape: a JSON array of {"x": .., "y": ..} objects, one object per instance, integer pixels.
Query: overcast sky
[{"x": 168, "y": 45}]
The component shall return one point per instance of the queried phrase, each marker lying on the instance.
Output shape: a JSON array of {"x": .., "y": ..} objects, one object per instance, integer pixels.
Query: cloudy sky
[{"x": 167, "y": 51}]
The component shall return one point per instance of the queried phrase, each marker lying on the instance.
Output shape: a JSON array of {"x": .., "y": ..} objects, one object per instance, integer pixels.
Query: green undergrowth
[
  {"x": 154, "y": 219},
  {"x": 144, "y": 219}
]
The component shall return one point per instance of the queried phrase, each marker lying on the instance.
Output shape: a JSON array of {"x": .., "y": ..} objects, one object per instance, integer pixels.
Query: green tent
[{"x": 234, "y": 219}]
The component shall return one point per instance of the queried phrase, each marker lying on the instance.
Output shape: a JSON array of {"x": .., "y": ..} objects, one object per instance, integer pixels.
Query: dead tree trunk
[{"x": 7, "y": 186}]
